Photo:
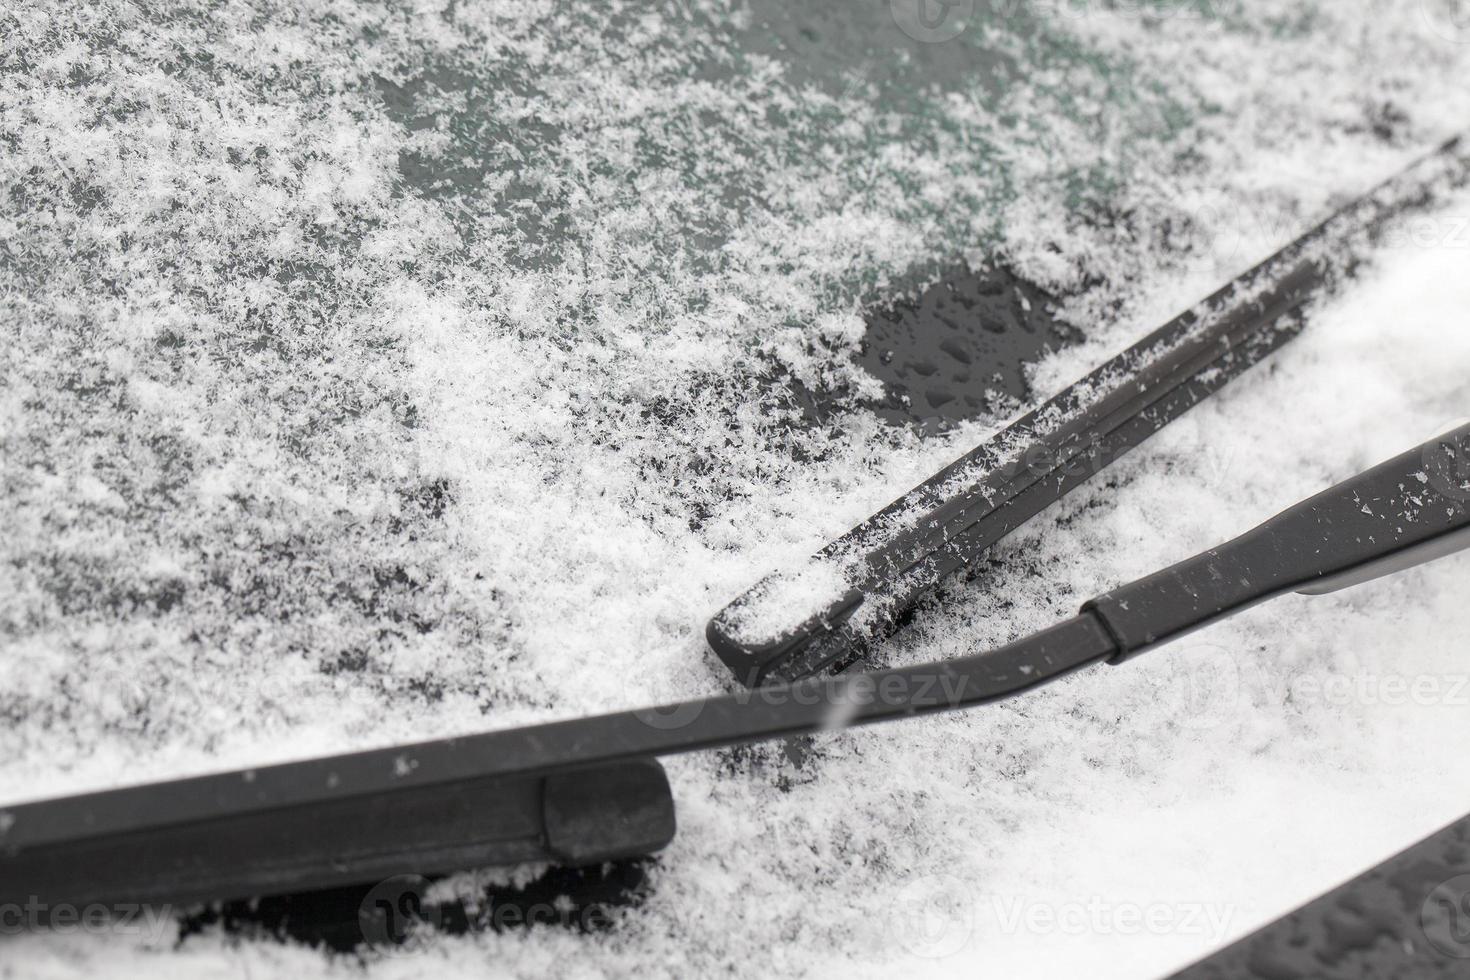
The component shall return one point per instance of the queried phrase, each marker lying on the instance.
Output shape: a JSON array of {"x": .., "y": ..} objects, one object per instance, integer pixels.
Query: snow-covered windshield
[{"x": 376, "y": 372}]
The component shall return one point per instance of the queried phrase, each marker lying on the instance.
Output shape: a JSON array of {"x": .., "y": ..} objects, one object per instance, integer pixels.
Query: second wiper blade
[{"x": 824, "y": 614}]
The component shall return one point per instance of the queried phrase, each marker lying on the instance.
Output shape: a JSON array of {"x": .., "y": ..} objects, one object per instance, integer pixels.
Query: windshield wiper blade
[
  {"x": 591, "y": 789},
  {"x": 892, "y": 560}
]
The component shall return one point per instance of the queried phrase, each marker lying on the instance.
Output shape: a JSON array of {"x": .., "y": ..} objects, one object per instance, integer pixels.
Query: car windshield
[{"x": 380, "y": 372}]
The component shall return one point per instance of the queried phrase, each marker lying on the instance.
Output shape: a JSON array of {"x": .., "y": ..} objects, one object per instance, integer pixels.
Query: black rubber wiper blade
[
  {"x": 591, "y": 789},
  {"x": 571, "y": 792},
  {"x": 901, "y": 554},
  {"x": 576, "y": 745}
]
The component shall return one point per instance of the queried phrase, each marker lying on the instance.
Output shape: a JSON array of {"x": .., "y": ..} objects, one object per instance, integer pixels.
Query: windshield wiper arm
[{"x": 590, "y": 789}]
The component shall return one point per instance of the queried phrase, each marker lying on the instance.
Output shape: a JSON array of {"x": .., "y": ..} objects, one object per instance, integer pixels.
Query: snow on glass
[{"x": 375, "y": 373}]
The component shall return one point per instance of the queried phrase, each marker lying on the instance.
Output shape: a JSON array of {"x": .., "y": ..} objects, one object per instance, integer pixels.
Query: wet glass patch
[{"x": 961, "y": 348}]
